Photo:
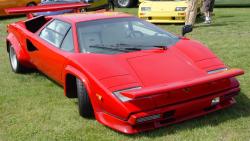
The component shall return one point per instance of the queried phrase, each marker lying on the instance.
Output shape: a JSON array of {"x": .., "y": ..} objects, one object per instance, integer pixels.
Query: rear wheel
[
  {"x": 31, "y": 4},
  {"x": 84, "y": 103},
  {"x": 14, "y": 62},
  {"x": 125, "y": 3}
]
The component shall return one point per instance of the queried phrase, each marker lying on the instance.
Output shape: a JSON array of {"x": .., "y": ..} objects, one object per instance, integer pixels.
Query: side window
[
  {"x": 67, "y": 44},
  {"x": 55, "y": 32}
]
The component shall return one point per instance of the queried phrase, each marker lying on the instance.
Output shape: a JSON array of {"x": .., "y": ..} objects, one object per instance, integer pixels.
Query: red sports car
[{"x": 129, "y": 74}]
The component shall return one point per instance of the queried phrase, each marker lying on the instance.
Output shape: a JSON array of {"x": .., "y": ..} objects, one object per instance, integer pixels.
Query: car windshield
[{"x": 118, "y": 35}]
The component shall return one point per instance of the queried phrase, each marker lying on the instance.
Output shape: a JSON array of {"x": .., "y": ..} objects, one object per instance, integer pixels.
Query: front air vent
[{"x": 30, "y": 46}]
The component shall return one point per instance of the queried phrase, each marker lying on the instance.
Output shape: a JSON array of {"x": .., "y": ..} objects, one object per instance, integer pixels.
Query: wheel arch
[
  {"x": 12, "y": 40},
  {"x": 8, "y": 45},
  {"x": 21, "y": 53},
  {"x": 70, "y": 76}
]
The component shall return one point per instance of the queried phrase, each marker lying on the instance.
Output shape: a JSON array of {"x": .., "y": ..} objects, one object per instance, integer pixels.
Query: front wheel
[{"x": 84, "y": 103}]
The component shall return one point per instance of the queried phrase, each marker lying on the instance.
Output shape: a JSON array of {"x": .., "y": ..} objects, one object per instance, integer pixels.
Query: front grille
[{"x": 148, "y": 118}]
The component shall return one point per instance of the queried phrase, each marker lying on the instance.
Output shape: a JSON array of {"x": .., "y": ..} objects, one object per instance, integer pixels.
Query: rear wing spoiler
[
  {"x": 133, "y": 94},
  {"x": 44, "y": 8}
]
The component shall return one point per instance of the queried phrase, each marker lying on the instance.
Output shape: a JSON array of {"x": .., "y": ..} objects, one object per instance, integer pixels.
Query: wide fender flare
[
  {"x": 22, "y": 56},
  {"x": 74, "y": 71}
]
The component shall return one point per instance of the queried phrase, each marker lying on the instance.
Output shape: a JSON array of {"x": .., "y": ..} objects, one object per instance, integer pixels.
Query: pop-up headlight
[
  {"x": 122, "y": 97},
  {"x": 217, "y": 70}
]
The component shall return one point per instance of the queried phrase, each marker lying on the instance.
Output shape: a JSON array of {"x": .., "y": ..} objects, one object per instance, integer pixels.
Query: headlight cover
[
  {"x": 122, "y": 97},
  {"x": 145, "y": 9},
  {"x": 180, "y": 8},
  {"x": 217, "y": 70}
]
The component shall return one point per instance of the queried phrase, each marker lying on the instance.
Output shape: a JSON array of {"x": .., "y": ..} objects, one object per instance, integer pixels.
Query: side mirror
[{"x": 186, "y": 29}]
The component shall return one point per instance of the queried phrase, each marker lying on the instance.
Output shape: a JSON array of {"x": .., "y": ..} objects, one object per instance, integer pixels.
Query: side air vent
[{"x": 30, "y": 46}]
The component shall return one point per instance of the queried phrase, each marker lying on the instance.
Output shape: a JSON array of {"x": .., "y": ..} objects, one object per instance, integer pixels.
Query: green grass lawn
[
  {"x": 232, "y": 2},
  {"x": 32, "y": 107}
]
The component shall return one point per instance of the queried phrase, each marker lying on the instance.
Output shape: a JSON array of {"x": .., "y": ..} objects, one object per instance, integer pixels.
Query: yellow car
[
  {"x": 16, "y": 3},
  {"x": 163, "y": 11}
]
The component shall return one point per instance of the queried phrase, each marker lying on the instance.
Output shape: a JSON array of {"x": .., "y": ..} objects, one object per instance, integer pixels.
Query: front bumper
[
  {"x": 169, "y": 114},
  {"x": 163, "y": 17}
]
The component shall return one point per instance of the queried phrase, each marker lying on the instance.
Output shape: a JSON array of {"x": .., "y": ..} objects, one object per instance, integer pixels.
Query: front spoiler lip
[
  {"x": 130, "y": 126},
  {"x": 133, "y": 94}
]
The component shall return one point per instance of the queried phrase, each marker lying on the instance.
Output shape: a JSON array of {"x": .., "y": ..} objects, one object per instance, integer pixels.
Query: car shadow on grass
[{"x": 239, "y": 110}]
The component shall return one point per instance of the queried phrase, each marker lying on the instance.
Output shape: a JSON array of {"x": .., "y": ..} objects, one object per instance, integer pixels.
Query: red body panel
[
  {"x": 42, "y": 8},
  {"x": 175, "y": 83},
  {"x": 182, "y": 85}
]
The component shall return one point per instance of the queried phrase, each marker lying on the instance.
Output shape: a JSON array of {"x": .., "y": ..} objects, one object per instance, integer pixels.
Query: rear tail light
[{"x": 148, "y": 118}]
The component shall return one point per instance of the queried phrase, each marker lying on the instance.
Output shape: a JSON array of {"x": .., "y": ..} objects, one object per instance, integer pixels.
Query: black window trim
[{"x": 64, "y": 38}]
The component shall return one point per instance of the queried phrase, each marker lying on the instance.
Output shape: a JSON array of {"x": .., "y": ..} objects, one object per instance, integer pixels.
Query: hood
[
  {"x": 165, "y": 67},
  {"x": 147, "y": 68}
]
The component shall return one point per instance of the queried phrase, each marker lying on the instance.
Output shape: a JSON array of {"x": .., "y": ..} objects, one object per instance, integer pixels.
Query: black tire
[
  {"x": 125, "y": 3},
  {"x": 31, "y": 4},
  {"x": 84, "y": 103},
  {"x": 14, "y": 62}
]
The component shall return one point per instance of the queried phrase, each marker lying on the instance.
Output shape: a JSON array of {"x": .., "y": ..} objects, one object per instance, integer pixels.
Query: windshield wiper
[
  {"x": 163, "y": 47},
  {"x": 125, "y": 47},
  {"x": 115, "y": 47},
  {"x": 108, "y": 47},
  {"x": 134, "y": 46}
]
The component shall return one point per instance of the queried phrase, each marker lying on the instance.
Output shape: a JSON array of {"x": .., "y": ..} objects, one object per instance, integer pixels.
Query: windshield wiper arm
[
  {"x": 163, "y": 47},
  {"x": 110, "y": 48},
  {"x": 134, "y": 46},
  {"x": 125, "y": 47}
]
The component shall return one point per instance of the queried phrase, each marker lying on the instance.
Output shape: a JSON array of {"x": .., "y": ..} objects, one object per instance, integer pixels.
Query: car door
[{"x": 51, "y": 48}]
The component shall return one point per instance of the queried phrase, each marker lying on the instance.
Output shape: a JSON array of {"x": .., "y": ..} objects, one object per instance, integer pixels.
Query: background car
[
  {"x": 16, "y": 3},
  {"x": 94, "y": 5},
  {"x": 167, "y": 11}
]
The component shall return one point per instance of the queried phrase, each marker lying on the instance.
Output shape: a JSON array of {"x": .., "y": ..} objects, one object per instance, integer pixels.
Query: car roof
[{"x": 89, "y": 16}]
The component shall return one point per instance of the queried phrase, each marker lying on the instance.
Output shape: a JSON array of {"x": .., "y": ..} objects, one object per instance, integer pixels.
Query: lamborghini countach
[{"x": 131, "y": 75}]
